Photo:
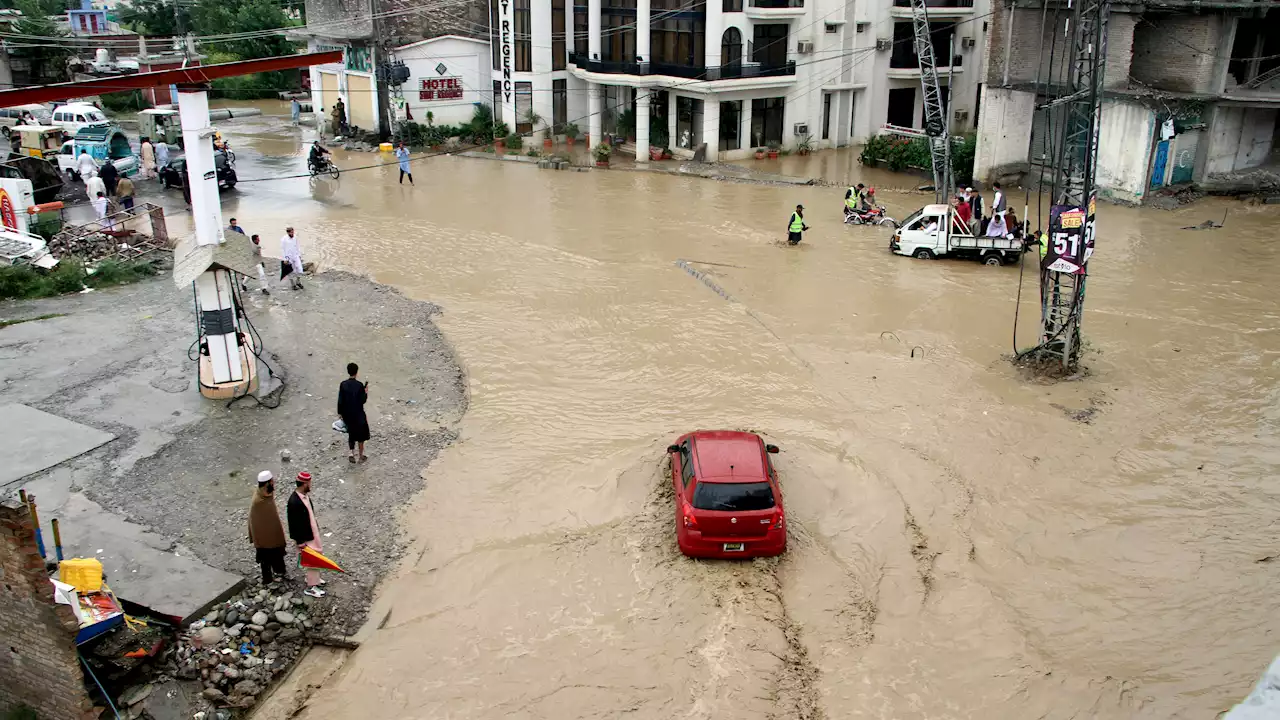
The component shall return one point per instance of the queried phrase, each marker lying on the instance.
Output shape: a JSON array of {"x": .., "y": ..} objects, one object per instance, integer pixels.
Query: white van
[
  {"x": 9, "y": 117},
  {"x": 73, "y": 116},
  {"x": 936, "y": 230}
]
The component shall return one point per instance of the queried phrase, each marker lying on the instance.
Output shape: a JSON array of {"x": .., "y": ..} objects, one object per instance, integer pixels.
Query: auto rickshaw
[
  {"x": 42, "y": 141},
  {"x": 161, "y": 125}
]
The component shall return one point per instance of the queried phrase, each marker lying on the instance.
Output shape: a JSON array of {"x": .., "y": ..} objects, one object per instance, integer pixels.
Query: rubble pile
[
  {"x": 236, "y": 650},
  {"x": 89, "y": 247}
]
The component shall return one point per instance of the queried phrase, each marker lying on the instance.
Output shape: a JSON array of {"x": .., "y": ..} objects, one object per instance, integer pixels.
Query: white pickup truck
[{"x": 950, "y": 236}]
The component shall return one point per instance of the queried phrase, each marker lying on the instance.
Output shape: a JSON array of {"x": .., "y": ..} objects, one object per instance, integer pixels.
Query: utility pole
[
  {"x": 380, "y": 65},
  {"x": 935, "y": 122},
  {"x": 1064, "y": 268}
]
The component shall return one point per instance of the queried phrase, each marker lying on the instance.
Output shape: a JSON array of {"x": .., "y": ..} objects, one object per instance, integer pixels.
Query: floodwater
[{"x": 965, "y": 542}]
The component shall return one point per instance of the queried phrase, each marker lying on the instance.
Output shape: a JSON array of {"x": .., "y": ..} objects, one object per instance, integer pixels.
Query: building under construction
[{"x": 1191, "y": 93}]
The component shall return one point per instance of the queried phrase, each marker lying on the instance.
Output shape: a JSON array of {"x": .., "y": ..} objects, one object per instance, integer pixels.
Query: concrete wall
[
  {"x": 38, "y": 664},
  {"x": 466, "y": 60},
  {"x": 1004, "y": 132},
  {"x": 1039, "y": 48},
  {"x": 1239, "y": 138},
  {"x": 1167, "y": 52},
  {"x": 341, "y": 19},
  {"x": 1124, "y": 150}
]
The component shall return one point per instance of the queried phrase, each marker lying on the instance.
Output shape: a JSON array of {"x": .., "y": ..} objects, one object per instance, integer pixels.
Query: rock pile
[
  {"x": 87, "y": 246},
  {"x": 238, "y": 648}
]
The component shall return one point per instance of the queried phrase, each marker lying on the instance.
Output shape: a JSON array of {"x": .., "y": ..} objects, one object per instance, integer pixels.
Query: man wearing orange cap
[{"x": 303, "y": 528}]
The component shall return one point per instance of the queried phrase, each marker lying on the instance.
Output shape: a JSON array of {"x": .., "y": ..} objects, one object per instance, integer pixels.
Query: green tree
[
  {"x": 48, "y": 60},
  {"x": 221, "y": 17},
  {"x": 155, "y": 17}
]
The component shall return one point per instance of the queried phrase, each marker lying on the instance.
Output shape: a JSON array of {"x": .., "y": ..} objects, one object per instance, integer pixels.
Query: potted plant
[
  {"x": 514, "y": 141},
  {"x": 655, "y": 153},
  {"x": 602, "y": 153},
  {"x": 571, "y": 133},
  {"x": 759, "y": 153},
  {"x": 666, "y": 153},
  {"x": 805, "y": 147},
  {"x": 774, "y": 148}
]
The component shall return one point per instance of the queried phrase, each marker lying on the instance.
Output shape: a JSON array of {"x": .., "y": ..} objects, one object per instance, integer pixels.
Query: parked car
[
  {"x": 728, "y": 503},
  {"x": 174, "y": 174},
  {"x": 9, "y": 117},
  {"x": 73, "y": 116}
]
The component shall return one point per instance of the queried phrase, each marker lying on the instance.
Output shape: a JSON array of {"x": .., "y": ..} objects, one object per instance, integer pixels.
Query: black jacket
[{"x": 299, "y": 520}]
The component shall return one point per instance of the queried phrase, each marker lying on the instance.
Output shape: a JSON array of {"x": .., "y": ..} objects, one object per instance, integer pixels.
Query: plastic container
[
  {"x": 385, "y": 147},
  {"x": 85, "y": 574}
]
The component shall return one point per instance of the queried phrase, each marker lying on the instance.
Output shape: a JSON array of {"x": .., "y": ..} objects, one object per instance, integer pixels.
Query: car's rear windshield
[{"x": 733, "y": 496}]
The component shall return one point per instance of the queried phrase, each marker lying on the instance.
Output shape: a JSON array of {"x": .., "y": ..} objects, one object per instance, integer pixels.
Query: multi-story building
[
  {"x": 1191, "y": 93},
  {"x": 730, "y": 75}
]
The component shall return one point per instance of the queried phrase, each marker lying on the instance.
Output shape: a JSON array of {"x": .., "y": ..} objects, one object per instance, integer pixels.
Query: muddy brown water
[{"x": 965, "y": 542}]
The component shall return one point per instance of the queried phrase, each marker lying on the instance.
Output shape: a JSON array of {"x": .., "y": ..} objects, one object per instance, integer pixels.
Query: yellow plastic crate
[{"x": 85, "y": 574}]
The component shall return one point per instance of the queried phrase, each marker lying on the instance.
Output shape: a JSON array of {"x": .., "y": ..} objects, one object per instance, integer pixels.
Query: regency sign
[{"x": 504, "y": 15}]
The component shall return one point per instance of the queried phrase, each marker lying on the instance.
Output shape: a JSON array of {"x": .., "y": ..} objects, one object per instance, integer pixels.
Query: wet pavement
[{"x": 965, "y": 541}]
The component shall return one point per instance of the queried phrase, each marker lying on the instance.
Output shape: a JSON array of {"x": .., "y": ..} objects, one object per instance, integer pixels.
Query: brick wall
[
  {"x": 1038, "y": 38},
  {"x": 1177, "y": 52},
  {"x": 38, "y": 664}
]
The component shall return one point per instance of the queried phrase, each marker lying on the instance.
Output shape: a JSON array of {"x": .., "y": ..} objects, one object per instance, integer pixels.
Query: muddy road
[{"x": 965, "y": 542}]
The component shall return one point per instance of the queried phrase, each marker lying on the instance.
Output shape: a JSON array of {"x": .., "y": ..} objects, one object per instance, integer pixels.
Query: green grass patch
[
  {"x": 50, "y": 316},
  {"x": 26, "y": 282}
]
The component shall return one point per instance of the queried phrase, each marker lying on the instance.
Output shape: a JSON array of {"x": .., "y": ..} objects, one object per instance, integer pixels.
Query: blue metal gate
[{"x": 1159, "y": 164}]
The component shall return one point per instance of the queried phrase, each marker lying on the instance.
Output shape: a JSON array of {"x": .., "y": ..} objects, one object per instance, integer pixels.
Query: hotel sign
[
  {"x": 504, "y": 23},
  {"x": 445, "y": 88}
]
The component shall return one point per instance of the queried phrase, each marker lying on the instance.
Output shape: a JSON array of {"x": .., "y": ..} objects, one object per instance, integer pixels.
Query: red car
[{"x": 728, "y": 504}]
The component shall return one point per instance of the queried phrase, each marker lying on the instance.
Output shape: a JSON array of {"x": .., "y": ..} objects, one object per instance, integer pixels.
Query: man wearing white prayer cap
[{"x": 265, "y": 530}]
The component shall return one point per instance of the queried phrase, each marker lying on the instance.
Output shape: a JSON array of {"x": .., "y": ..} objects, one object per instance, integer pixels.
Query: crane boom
[{"x": 935, "y": 116}]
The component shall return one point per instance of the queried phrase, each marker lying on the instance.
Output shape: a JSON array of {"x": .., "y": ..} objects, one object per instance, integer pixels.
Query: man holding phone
[{"x": 351, "y": 397}]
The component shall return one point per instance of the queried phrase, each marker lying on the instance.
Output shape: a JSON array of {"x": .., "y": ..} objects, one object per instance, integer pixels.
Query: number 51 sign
[{"x": 1070, "y": 239}]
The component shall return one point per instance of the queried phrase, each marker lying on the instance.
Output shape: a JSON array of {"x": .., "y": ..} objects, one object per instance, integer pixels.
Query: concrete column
[
  {"x": 672, "y": 114},
  {"x": 642, "y": 30},
  {"x": 642, "y": 124},
  {"x": 711, "y": 127},
  {"x": 715, "y": 31},
  {"x": 595, "y": 107},
  {"x": 206, "y": 205},
  {"x": 593, "y": 29}
]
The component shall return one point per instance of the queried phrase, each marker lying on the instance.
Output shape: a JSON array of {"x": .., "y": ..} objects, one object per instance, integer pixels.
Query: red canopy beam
[{"x": 197, "y": 75}]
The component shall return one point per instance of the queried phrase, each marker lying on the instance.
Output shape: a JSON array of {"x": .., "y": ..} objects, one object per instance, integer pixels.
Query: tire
[
  {"x": 923, "y": 254},
  {"x": 992, "y": 259},
  {"x": 333, "y": 171},
  {"x": 4, "y": 130},
  {"x": 889, "y": 221}
]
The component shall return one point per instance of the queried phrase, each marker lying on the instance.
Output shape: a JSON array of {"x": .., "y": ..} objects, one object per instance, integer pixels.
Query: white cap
[{"x": 266, "y": 476}]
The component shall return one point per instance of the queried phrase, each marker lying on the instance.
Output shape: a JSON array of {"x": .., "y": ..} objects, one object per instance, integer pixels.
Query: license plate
[{"x": 734, "y": 547}]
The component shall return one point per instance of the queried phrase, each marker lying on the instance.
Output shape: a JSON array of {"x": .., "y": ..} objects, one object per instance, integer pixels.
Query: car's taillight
[
  {"x": 690, "y": 521},
  {"x": 778, "y": 520}
]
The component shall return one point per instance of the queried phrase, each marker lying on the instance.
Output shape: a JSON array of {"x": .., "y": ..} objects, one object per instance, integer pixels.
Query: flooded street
[{"x": 965, "y": 542}]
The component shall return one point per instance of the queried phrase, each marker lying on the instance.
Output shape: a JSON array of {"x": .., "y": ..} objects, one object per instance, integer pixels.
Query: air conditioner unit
[
  {"x": 884, "y": 44},
  {"x": 804, "y": 47},
  {"x": 801, "y": 129},
  {"x": 967, "y": 42},
  {"x": 962, "y": 116}
]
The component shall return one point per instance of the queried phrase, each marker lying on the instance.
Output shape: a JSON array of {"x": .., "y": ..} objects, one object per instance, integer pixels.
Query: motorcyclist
[
  {"x": 317, "y": 158},
  {"x": 852, "y": 198},
  {"x": 868, "y": 200}
]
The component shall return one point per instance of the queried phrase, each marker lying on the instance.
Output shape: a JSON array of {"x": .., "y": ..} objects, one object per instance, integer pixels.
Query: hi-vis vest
[
  {"x": 1044, "y": 244},
  {"x": 851, "y": 202},
  {"x": 797, "y": 223}
]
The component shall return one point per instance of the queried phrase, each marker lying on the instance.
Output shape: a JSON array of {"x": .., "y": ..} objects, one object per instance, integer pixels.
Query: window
[
  {"x": 524, "y": 105},
  {"x": 731, "y": 50},
  {"x": 733, "y": 497},
  {"x": 495, "y": 41},
  {"x": 581, "y": 30},
  {"x": 688, "y": 121},
  {"x": 558, "y": 61},
  {"x": 618, "y": 31},
  {"x": 826, "y": 116},
  {"x": 832, "y": 28},
  {"x": 766, "y": 121},
  {"x": 902, "y": 107},
  {"x": 80, "y": 118},
  {"x": 731, "y": 125},
  {"x": 679, "y": 41},
  {"x": 769, "y": 46},
  {"x": 853, "y": 113},
  {"x": 523, "y": 37},
  {"x": 686, "y": 464},
  {"x": 559, "y": 104},
  {"x": 731, "y": 6},
  {"x": 497, "y": 101}
]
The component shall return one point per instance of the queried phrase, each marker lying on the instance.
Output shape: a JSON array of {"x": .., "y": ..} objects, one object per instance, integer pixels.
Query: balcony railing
[
  {"x": 911, "y": 62},
  {"x": 724, "y": 72},
  {"x": 936, "y": 3},
  {"x": 783, "y": 4}
]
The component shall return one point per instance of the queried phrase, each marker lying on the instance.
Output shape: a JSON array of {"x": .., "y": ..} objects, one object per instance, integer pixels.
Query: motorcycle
[
  {"x": 875, "y": 216},
  {"x": 322, "y": 166}
]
